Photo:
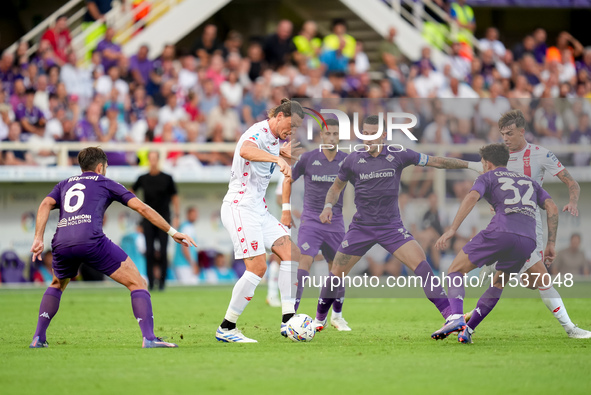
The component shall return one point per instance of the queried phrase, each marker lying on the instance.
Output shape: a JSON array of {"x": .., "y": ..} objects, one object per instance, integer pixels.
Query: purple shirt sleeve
[
  {"x": 409, "y": 157},
  {"x": 55, "y": 194},
  {"x": 345, "y": 170},
  {"x": 480, "y": 185},
  {"x": 119, "y": 193}
]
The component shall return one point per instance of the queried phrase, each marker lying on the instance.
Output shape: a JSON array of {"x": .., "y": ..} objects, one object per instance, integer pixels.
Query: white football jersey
[
  {"x": 534, "y": 161},
  {"x": 249, "y": 180}
]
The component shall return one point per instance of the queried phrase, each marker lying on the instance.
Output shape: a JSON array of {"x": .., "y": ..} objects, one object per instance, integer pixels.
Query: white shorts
[
  {"x": 538, "y": 253},
  {"x": 251, "y": 234}
]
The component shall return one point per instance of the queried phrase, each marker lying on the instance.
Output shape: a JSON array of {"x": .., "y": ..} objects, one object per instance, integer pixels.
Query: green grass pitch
[{"x": 95, "y": 348}]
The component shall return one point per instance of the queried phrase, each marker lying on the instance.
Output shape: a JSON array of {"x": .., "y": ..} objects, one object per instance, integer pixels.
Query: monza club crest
[{"x": 254, "y": 245}]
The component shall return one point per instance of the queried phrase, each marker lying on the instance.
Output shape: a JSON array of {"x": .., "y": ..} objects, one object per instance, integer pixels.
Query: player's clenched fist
[
  {"x": 284, "y": 167},
  {"x": 326, "y": 215}
]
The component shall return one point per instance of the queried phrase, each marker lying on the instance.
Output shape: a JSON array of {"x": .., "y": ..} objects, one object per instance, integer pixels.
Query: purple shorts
[
  {"x": 311, "y": 239},
  {"x": 360, "y": 238},
  {"x": 104, "y": 256},
  {"x": 509, "y": 249}
]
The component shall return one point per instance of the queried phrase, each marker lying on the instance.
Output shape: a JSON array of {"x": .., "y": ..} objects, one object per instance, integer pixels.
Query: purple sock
[
  {"x": 456, "y": 292},
  {"x": 50, "y": 303},
  {"x": 328, "y": 294},
  {"x": 485, "y": 304},
  {"x": 301, "y": 273},
  {"x": 337, "y": 305},
  {"x": 142, "y": 310},
  {"x": 436, "y": 294}
]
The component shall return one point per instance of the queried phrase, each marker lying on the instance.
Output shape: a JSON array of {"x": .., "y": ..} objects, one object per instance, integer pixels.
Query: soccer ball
[{"x": 300, "y": 328}]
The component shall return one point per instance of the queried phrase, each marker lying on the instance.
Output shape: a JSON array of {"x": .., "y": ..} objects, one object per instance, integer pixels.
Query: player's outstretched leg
[
  {"x": 48, "y": 308},
  {"x": 272, "y": 285},
  {"x": 141, "y": 303},
  {"x": 554, "y": 303},
  {"x": 336, "y": 318},
  {"x": 456, "y": 293},
  {"x": 303, "y": 272},
  {"x": 300, "y": 291},
  {"x": 413, "y": 256},
  {"x": 329, "y": 292},
  {"x": 289, "y": 254},
  {"x": 485, "y": 304},
  {"x": 433, "y": 290},
  {"x": 241, "y": 295}
]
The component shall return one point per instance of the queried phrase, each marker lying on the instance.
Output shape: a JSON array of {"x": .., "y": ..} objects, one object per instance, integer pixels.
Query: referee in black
[{"x": 159, "y": 190}]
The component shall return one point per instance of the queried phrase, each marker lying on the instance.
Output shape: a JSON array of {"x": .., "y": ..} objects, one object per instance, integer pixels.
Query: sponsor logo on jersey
[
  {"x": 324, "y": 178},
  {"x": 316, "y": 163},
  {"x": 75, "y": 220},
  {"x": 362, "y": 161},
  {"x": 376, "y": 174},
  {"x": 265, "y": 130},
  {"x": 254, "y": 245},
  {"x": 389, "y": 158}
]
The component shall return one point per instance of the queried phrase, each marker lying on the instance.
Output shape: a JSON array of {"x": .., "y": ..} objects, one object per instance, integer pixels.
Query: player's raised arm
[
  {"x": 151, "y": 215},
  {"x": 465, "y": 208},
  {"x": 552, "y": 220},
  {"x": 574, "y": 191},
  {"x": 332, "y": 198},
  {"x": 286, "y": 217},
  {"x": 250, "y": 151},
  {"x": 440, "y": 162},
  {"x": 45, "y": 207}
]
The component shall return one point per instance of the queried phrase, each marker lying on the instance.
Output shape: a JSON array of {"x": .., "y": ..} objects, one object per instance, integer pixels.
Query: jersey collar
[{"x": 523, "y": 149}]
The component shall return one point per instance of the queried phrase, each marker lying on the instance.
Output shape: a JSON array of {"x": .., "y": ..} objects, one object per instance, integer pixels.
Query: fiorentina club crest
[
  {"x": 390, "y": 158},
  {"x": 254, "y": 245}
]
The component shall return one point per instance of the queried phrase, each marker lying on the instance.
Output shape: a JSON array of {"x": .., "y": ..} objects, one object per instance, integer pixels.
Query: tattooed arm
[
  {"x": 440, "y": 162},
  {"x": 573, "y": 191},
  {"x": 552, "y": 215}
]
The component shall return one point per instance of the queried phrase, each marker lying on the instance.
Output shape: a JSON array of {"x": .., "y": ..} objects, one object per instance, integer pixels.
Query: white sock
[
  {"x": 287, "y": 282},
  {"x": 554, "y": 303},
  {"x": 337, "y": 315},
  {"x": 242, "y": 294},
  {"x": 272, "y": 286}
]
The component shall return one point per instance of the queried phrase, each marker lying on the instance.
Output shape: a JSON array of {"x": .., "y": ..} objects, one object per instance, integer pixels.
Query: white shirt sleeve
[{"x": 550, "y": 163}]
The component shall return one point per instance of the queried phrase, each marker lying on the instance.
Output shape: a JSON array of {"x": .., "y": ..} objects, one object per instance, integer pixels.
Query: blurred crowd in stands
[{"x": 215, "y": 90}]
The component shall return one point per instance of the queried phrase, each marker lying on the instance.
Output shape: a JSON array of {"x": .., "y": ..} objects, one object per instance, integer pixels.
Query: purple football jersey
[
  {"x": 82, "y": 201},
  {"x": 377, "y": 182},
  {"x": 32, "y": 115},
  {"x": 319, "y": 175},
  {"x": 514, "y": 197}
]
